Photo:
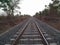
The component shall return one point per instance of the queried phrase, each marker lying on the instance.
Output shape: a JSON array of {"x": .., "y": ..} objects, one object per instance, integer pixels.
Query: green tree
[
  {"x": 37, "y": 13},
  {"x": 45, "y": 12},
  {"x": 54, "y": 7},
  {"x": 40, "y": 13},
  {"x": 9, "y": 6}
]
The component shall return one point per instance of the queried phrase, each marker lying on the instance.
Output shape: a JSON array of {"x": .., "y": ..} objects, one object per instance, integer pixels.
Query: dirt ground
[
  {"x": 54, "y": 24},
  {"x": 7, "y": 24},
  {"x": 54, "y": 21}
]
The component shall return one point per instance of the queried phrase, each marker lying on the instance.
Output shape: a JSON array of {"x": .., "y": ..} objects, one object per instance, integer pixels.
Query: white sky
[
  {"x": 2, "y": 13},
  {"x": 33, "y": 6}
]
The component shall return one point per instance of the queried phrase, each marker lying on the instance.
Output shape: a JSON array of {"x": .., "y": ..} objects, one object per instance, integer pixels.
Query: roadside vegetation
[
  {"x": 10, "y": 6},
  {"x": 7, "y": 22},
  {"x": 51, "y": 14}
]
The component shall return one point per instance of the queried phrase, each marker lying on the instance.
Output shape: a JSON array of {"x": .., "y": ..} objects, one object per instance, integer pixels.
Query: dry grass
[
  {"x": 6, "y": 23},
  {"x": 55, "y": 25},
  {"x": 53, "y": 21}
]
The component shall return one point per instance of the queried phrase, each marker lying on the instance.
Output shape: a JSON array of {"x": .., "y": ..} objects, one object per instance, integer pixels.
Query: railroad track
[
  {"x": 32, "y": 35},
  {"x": 7, "y": 36}
]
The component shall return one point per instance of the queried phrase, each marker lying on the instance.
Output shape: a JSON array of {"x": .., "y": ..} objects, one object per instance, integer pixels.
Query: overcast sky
[
  {"x": 2, "y": 13},
  {"x": 33, "y": 6}
]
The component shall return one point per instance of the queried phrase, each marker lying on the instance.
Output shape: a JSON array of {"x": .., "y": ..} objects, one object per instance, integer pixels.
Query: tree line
[{"x": 52, "y": 10}]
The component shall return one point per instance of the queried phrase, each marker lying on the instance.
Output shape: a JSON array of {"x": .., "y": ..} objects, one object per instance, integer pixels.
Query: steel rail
[
  {"x": 45, "y": 41},
  {"x": 18, "y": 37}
]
